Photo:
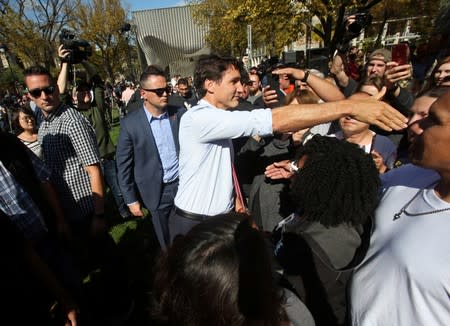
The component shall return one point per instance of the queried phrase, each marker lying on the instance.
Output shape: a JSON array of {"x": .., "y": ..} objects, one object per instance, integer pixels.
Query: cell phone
[
  {"x": 273, "y": 81},
  {"x": 400, "y": 53}
]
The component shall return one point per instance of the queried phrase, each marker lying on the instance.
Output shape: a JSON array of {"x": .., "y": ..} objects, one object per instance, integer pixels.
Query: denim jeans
[{"x": 110, "y": 174}]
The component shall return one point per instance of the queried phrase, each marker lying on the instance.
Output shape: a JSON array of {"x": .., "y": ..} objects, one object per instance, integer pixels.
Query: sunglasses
[
  {"x": 37, "y": 92},
  {"x": 158, "y": 91}
]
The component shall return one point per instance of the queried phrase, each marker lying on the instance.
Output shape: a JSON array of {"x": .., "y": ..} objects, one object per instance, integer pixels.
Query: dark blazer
[{"x": 139, "y": 166}]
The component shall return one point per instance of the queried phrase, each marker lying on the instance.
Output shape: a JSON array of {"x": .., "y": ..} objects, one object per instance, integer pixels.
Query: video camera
[
  {"x": 363, "y": 19},
  {"x": 79, "y": 49}
]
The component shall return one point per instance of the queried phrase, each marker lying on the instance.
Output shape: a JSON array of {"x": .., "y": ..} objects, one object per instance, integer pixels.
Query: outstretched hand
[
  {"x": 379, "y": 113},
  {"x": 293, "y": 72},
  {"x": 279, "y": 170}
]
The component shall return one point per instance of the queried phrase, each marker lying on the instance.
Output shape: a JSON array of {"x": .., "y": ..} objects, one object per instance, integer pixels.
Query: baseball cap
[{"x": 381, "y": 54}]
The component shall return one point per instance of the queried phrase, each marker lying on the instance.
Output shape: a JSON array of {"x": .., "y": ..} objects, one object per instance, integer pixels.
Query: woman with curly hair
[{"x": 334, "y": 189}]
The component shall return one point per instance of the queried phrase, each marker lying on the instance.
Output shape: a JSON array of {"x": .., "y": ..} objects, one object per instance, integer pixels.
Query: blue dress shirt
[{"x": 162, "y": 133}]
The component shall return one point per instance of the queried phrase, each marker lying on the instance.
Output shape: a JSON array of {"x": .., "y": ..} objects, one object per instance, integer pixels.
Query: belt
[
  {"x": 189, "y": 215},
  {"x": 170, "y": 182}
]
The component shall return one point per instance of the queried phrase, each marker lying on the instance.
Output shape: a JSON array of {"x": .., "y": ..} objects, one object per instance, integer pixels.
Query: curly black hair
[{"x": 337, "y": 184}]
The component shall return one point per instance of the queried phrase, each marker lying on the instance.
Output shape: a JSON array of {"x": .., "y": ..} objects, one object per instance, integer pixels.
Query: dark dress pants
[{"x": 160, "y": 216}]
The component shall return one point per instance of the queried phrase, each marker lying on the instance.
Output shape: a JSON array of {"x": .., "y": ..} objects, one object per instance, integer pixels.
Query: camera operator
[{"x": 89, "y": 100}]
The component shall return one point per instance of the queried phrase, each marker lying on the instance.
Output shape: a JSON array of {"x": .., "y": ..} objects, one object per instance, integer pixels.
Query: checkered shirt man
[{"x": 68, "y": 144}]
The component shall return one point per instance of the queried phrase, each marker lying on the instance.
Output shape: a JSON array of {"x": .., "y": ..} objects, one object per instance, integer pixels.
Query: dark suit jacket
[{"x": 139, "y": 166}]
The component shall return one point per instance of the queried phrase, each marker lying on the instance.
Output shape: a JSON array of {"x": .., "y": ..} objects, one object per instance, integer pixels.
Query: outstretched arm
[
  {"x": 279, "y": 170},
  {"x": 372, "y": 111},
  {"x": 324, "y": 89}
]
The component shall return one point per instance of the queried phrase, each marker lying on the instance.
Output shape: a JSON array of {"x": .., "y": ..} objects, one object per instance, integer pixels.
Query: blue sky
[{"x": 152, "y": 4}]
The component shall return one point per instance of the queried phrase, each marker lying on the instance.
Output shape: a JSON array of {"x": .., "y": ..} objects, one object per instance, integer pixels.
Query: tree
[
  {"x": 29, "y": 28},
  {"x": 398, "y": 11},
  {"x": 10, "y": 78},
  {"x": 443, "y": 19},
  {"x": 227, "y": 22},
  {"x": 276, "y": 24},
  {"x": 100, "y": 22}
]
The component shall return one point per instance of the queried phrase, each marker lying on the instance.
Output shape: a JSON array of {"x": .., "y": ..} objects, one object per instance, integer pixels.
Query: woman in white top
[{"x": 24, "y": 124}]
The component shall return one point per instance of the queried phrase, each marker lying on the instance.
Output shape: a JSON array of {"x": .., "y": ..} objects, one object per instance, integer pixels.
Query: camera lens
[{"x": 355, "y": 27}]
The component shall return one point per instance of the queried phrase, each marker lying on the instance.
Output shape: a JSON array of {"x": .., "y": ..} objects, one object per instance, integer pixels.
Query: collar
[
  {"x": 150, "y": 116},
  {"x": 56, "y": 112}
]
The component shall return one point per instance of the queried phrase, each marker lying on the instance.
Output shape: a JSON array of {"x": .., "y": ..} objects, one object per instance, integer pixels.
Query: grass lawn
[{"x": 138, "y": 246}]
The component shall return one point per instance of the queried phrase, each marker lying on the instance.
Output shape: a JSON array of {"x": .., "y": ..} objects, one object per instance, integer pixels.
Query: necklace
[{"x": 403, "y": 209}]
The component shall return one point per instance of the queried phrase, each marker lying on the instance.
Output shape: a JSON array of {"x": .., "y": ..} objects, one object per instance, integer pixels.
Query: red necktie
[{"x": 237, "y": 190}]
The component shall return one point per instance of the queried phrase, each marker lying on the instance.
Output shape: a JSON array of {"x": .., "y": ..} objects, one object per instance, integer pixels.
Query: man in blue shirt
[{"x": 147, "y": 153}]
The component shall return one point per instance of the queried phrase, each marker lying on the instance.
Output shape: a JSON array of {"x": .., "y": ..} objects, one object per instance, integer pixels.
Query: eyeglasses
[
  {"x": 158, "y": 91},
  {"x": 37, "y": 92},
  {"x": 27, "y": 118}
]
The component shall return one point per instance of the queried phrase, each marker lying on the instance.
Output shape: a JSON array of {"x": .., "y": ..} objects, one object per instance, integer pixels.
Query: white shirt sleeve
[{"x": 215, "y": 124}]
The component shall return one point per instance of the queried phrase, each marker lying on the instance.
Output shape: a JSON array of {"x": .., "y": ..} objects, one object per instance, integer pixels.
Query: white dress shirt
[{"x": 205, "y": 180}]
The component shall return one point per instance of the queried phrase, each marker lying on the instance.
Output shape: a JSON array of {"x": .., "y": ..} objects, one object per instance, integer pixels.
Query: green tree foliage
[
  {"x": 396, "y": 11},
  {"x": 29, "y": 28},
  {"x": 228, "y": 19},
  {"x": 10, "y": 79},
  {"x": 443, "y": 19},
  {"x": 332, "y": 16},
  {"x": 277, "y": 23},
  {"x": 100, "y": 23}
]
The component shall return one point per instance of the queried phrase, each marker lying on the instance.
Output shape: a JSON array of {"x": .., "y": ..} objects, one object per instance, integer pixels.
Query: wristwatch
[
  {"x": 293, "y": 166},
  {"x": 394, "y": 89},
  {"x": 305, "y": 77}
]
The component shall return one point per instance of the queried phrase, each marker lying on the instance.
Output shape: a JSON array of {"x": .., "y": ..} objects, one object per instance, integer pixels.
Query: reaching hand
[
  {"x": 279, "y": 170},
  {"x": 296, "y": 73},
  {"x": 375, "y": 112}
]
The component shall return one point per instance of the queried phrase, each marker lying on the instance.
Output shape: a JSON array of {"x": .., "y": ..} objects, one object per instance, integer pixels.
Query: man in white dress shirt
[{"x": 205, "y": 162}]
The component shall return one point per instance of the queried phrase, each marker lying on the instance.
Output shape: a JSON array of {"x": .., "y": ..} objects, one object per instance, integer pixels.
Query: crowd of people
[{"x": 288, "y": 196}]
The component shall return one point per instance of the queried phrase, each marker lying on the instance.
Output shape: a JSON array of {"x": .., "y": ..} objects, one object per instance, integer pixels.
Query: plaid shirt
[
  {"x": 68, "y": 144},
  {"x": 18, "y": 205}
]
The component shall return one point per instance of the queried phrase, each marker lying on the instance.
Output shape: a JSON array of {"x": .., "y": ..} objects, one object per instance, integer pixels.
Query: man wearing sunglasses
[
  {"x": 147, "y": 153},
  {"x": 70, "y": 151}
]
